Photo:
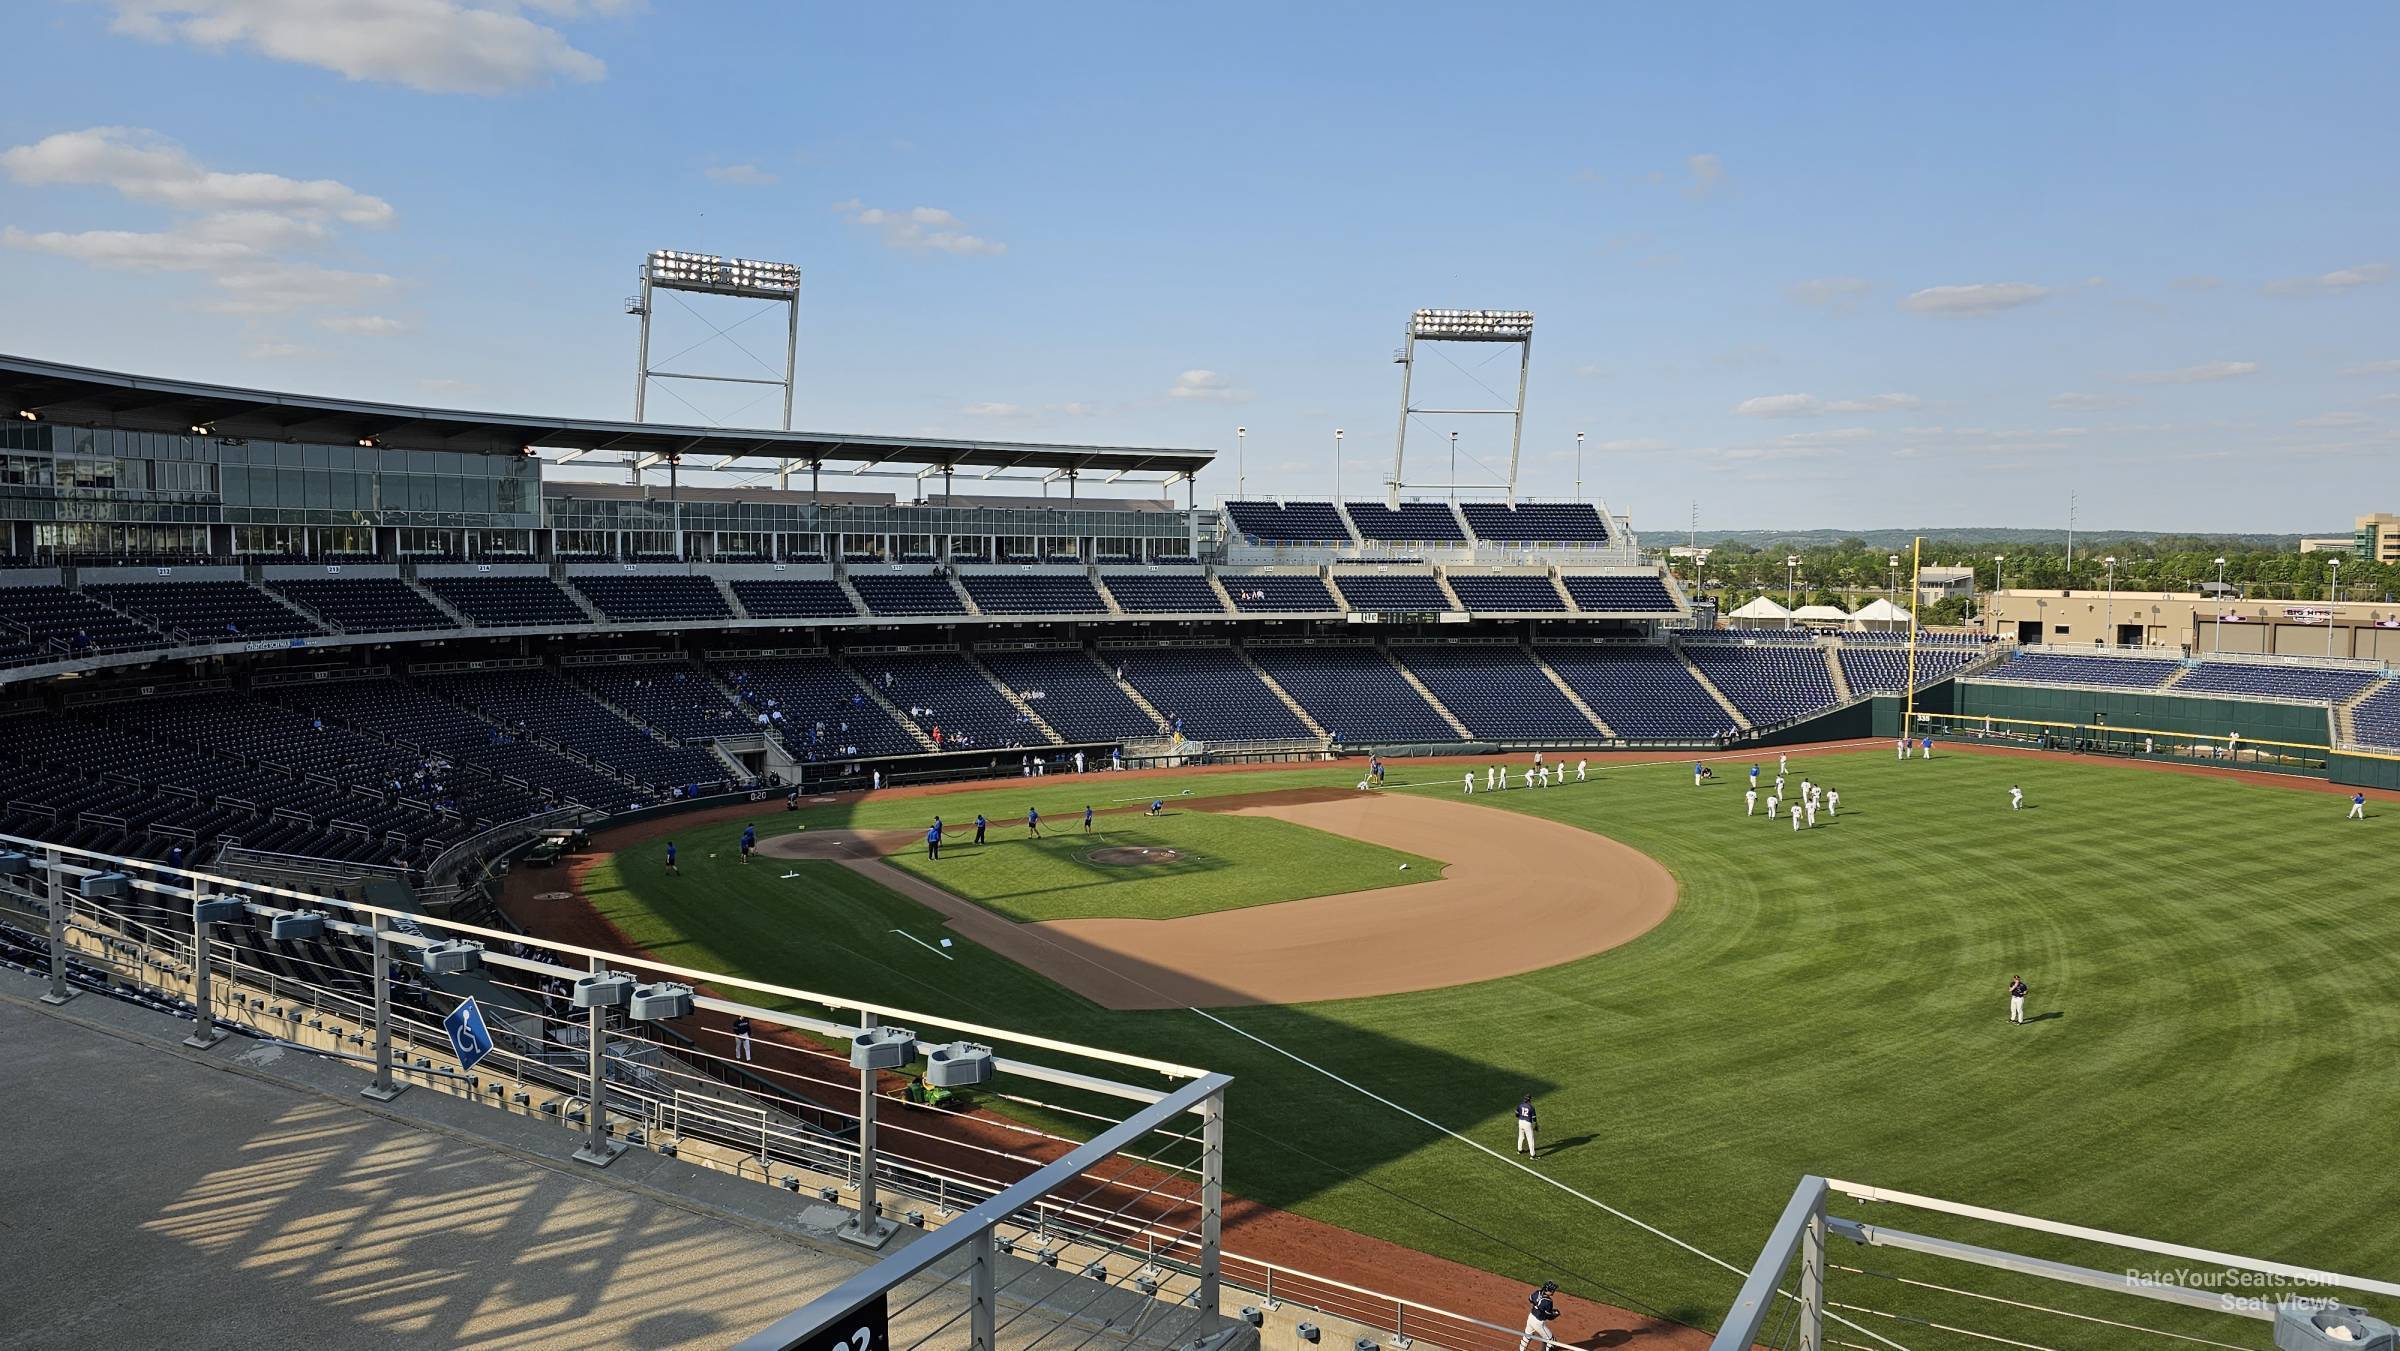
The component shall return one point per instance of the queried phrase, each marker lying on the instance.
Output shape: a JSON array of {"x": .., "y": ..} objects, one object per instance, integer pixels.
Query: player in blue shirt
[
  {"x": 671, "y": 859},
  {"x": 1033, "y": 821},
  {"x": 2358, "y": 807}
]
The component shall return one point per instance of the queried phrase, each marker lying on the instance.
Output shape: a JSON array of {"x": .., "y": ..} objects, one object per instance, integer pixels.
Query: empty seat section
[
  {"x": 825, "y": 715},
  {"x": 2048, "y": 668},
  {"x": 1038, "y": 594},
  {"x": 637, "y": 598},
  {"x": 1640, "y": 593},
  {"x": 2375, "y": 720},
  {"x": 1408, "y": 523},
  {"x": 508, "y": 602},
  {"x": 943, "y": 691},
  {"x": 1354, "y": 694},
  {"x": 404, "y": 713},
  {"x": 1279, "y": 595},
  {"x": 669, "y": 698},
  {"x": 208, "y": 611},
  {"x": 1393, "y": 595},
  {"x": 1507, "y": 593},
  {"x": 543, "y": 704},
  {"x": 1163, "y": 592},
  {"x": 1209, "y": 693},
  {"x": 2313, "y": 684},
  {"x": 365, "y": 604},
  {"x": 1768, "y": 683},
  {"x": 1078, "y": 699},
  {"x": 1272, "y": 523},
  {"x": 901, "y": 594},
  {"x": 1643, "y": 692},
  {"x": 1885, "y": 667},
  {"x": 1498, "y": 693},
  {"x": 1537, "y": 522},
  {"x": 793, "y": 598},
  {"x": 47, "y": 623}
]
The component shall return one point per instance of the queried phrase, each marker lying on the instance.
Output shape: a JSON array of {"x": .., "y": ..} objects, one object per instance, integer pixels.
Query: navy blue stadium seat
[
  {"x": 1209, "y": 691},
  {"x": 901, "y": 594},
  {"x": 1162, "y": 592},
  {"x": 1078, "y": 699},
  {"x": 793, "y": 598},
  {"x": 2050, "y": 668},
  {"x": 2309, "y": 684},
  {"x": 1631, "y": 594},
  {"x": 1640, "y": 690},
  {"x": 1497, "y": 691},
  {"x": 1408, "y": 523},
  {"x": 1393, "y": 593},
  {"x": 1507, "y": 593},
  {"x": 1537, "y": 522},
  {"x": 1354, "y": 693},
  {"x": 1271, "y": 523},
  {"x": 365, "y": 604},
  {"x": 1278, "y": 594},
  {"x": 1034, "y": 594},
  {"x": 1769, "y": 683},
  {"x": 507, "y": 602},
  {"x": 650, "y": 598}
]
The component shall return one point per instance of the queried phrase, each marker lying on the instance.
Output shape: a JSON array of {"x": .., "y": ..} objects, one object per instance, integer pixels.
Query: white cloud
[
  {"x": 2329, "y": 420},
  {"x": 2206, "y": 372},
  {"x": 2202, "y": 282},
  {"x": 361, "y": 325},
  {"x": 920, "y": 229},
  {"x": 236, "y": 229},
  {"x": 1988, "y": 297},
  {"x": 1831, "y": 292},
  {"x": 1708, "y": 176},
  {"x": 444, "y": 385},
  {"x": 146, "y": 167},
  {"x": 1809, "y": 405},
  {"x": 1205, "y": 386},
  {"x": 437, "y": 46},
  {"x": 740, "y": 175},
  {"x": 1593, "y": 370},
  {"x": 2390, "y": 367},
  {"x": 268, "y": 349},
  {"x": 2074, "y": 399},
  {"x": 2332, "y": 283},
  {"x": 992, "y": 410}
]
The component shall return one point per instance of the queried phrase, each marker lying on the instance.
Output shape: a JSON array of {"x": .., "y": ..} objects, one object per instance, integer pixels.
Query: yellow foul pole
[{"x": 1916, "y": 564}]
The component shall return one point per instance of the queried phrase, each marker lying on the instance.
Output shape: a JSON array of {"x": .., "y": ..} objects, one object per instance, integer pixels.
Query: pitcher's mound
[{"x": 1131, "y": 856}]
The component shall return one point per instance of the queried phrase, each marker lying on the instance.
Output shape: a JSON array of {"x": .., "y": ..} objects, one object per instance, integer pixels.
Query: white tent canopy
[
  {"x": 1761, "y": 608},
  {"x": 1821, "y": 614},
  {"x": 1880, "y": 611}
]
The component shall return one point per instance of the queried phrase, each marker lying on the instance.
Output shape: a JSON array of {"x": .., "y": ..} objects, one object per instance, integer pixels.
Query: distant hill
[{"x": 1963, "y": 534}]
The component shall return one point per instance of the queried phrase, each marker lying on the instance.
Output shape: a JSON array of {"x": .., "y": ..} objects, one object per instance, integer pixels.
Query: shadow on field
[{"x": 2046, "y": 1017}]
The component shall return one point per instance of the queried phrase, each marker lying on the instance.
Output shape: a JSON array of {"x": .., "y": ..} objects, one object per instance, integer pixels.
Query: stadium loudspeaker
[
  {"x": 104, "y": 887},
  {"x": 219, "y": 909},
  {"x": 1252, "y": 1315},
  {"x": 296, "y": 924},
  {"x": 602, "y": 990},
  {"x": 14, "y": 864},
  {"x": 1307, "y": 1332},
  {"x": 450, "y": 957},
  {"x": 2302, "y": 1326},
  {"x": 961, "y": 1064},
  {"x": 663, "y": 1000},
  {"x": 882, "y": 1048}
]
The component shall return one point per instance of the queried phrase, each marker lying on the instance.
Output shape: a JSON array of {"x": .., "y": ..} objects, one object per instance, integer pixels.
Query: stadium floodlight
[
  {"x": 1432, "y": 325},
  {"x": 716, "y": 275}
]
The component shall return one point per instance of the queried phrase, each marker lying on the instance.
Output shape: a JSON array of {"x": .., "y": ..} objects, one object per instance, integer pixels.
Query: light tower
[
  {"x": 1509, "y": 326},
  {"x": 736, "y": 278}
]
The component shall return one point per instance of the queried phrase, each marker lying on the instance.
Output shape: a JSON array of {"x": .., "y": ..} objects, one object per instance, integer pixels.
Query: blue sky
[{"x": 1865, "y": 266}]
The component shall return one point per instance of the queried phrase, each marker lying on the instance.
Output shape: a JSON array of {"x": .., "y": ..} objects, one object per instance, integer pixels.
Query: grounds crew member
[
  {"x": 980, "y": 823},
  {"x": 1541, "y": 1313},
  {"x": 933, "y": 839}
]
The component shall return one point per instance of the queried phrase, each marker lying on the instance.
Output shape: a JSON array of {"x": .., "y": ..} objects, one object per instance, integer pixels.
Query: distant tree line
[{"x": 1850, "y": 572}]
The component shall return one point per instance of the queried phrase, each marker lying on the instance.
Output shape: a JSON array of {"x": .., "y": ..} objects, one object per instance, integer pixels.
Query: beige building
[
  {"x": 2378, "y": 537},
  {"x": 2188, "y": 621},
  {"x": 2329, "y": 544}
]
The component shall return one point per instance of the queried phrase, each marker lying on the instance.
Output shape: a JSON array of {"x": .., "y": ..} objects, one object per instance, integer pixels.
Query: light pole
[
  {"x": 1892, "y": 592},
  {"x": 1791, "y": 571},
  {"x": 1454, "y": 466},
  {"x": 1579, "y": 466},
  {"x": 1998, "y": 562},
  {"x": 1241, "y": 463},
  {"x": 2216, "y": 640},
  {"x": 2334, "y": 600},
  {"x": 1337, "y": 464},
  {"x": 2111, "y": 561}
]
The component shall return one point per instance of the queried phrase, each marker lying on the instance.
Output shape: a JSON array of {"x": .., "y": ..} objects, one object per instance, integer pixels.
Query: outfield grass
[
  {"x": 1223, "y": 863},
  {"x": 2222, "y": 1066}
]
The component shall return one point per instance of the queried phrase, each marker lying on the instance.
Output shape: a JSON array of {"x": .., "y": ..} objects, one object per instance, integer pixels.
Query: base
[
  {"x": 600, "y": 1155},
  {"x": 383, "y": 1092},
  {"x": 203, "y": 1038},
  {"x": 57, "y": 997},
  {"x": 867, "y": 1231}
]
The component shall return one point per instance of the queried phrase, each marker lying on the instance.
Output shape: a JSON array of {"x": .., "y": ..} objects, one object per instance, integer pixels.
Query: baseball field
[{"x": 1704, "y": 1005}]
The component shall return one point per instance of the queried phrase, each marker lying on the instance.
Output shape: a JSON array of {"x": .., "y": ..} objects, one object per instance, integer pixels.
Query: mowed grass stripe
[{"x": 2226, "y": 1072}]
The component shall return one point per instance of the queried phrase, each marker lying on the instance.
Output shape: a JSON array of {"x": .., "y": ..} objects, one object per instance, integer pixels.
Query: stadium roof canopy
[{"x": 81, "y": 396}]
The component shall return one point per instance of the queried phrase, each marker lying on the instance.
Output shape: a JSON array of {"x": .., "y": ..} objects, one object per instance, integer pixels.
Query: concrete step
[
  {"x": 1425, "y": 693},
  {"x": 1569, "y": 690},
  {"x": 1274, "y": 687}
]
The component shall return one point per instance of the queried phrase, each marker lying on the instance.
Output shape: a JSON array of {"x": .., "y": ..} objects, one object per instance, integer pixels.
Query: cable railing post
[
  {"x": 204, "y": 1018},
  {"x": 1812, "y": 1279},
  {"x": 58, "y": 993},
  {"x": 1212, "y": 1197},
  {"x": 381, "y": 1088},
  {"x": 867, "y": 1227},
  {"x": 598, "y": 1150},
  {"x": 983, "y": 1292}
]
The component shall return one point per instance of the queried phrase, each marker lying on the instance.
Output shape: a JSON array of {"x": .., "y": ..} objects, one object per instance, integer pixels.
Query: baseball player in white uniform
[
  {"x": 2016, "y": 797},
  {"x": 1833, "y": 804},
  {"x": 1783, "y": 764},
  {"x": 1904, "y": 748},
  {"x": 1581, "y": 770},
  {"x": 1772, "y": 803},
  {"x": 1750, "y": 802},
  {"x": 1468, "y": 786},
  {"x": 1795, "y": 816},
  {"x": 1490, "y": 775}
]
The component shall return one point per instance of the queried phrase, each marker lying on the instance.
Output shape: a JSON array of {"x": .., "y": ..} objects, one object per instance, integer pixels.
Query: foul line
[{"x": 925, "y": 945}]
